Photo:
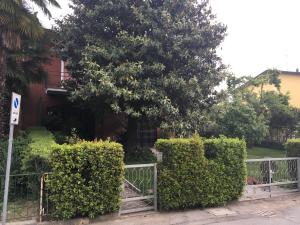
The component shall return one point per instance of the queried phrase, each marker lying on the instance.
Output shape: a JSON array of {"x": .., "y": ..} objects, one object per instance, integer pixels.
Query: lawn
[{"x": 259, "y": 152}]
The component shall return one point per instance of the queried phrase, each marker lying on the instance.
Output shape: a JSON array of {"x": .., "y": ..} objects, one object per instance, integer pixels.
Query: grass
[{"x": 259, "y": 152}]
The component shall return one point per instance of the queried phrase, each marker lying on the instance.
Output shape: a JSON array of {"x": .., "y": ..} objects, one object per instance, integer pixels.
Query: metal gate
[
  {"x": 139, "y": 189},
  {"x": 23, "y": 198},
  {"x": 271, "y": 177}
]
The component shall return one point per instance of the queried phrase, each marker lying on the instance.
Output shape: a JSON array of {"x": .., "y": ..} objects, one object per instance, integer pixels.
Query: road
[{"x": 284, "y": 210}]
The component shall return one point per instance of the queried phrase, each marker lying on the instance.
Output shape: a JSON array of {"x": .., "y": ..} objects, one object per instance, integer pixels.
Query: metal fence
[
  {"x": 139, "y": 189},
  {"x": 45, "y": 206},
  {"x": 271, "y": 177},
  {"x": 24, "y": 196}
]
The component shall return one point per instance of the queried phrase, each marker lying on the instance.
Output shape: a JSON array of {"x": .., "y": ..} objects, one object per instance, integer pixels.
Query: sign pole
[
  {"x": 8, "y": 163},
  {"x": 14, "y": 120}
]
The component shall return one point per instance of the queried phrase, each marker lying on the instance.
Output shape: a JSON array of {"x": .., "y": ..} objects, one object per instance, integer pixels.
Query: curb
[{"x": 79, "y": 221}]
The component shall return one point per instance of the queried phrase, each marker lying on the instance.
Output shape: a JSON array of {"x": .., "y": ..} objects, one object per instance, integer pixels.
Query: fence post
[
  {"x": 41, "y": 198},
  {"x": 298, "y": 173},
  {"x": 155, "y": 186},
  {"x": 270, "y": 178}
]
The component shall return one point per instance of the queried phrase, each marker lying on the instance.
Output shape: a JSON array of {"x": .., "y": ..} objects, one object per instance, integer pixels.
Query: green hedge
[
  {"x": 292, "y": 147},
  {"x": 86, "y": 179},
  {"x": 190, "y": 176},
  {"x": 20, "y": 145},
  {"x": 37, "y": 156}
]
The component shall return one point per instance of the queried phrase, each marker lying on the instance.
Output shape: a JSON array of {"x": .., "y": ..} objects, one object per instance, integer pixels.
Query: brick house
[
  {"x": 40, "y": 96},
  {"x": 44, "y": 98}
]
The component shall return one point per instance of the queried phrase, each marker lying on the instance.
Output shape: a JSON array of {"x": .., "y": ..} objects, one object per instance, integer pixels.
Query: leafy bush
[
  {"x": 37, "y": 157},
  {"x": 20, "y": 145},
  {"x": 86, "y": 179},
  {"x": 60, "y": 137},
  {"x": 139, "y": 155},
  {"x": 292, "y": 147},
  {"x": 188, "y": 179},
  {"x": 241, "y": 120}
]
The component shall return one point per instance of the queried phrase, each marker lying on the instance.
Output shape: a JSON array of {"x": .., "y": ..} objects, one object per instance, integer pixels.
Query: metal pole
[
  {"x": 41, "y": 197},
  {"x": 8, "y": 163},
  {"x": 270, "y": 177},
  {"x": 298, "y": 173},
  {"x": 155, "y": 186}
]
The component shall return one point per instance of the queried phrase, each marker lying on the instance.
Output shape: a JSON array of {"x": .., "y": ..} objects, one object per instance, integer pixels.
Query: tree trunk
[
  {"x": 131, "y": 134},
  {"x": 3, "y": 95}
]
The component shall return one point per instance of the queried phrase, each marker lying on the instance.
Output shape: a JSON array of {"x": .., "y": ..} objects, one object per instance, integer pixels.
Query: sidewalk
[{"x": 284, "y": 210}]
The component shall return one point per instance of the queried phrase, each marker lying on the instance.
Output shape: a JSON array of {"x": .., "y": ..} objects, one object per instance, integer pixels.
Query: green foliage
[
  {"x": 251, "y": 112},
  {"x": 37, "y": 157},
  {"x": 60, "y": 137},
  {"x": 292, "y": 147},
  {"x": 23, "y": 42},
  {"x": 86, "y": 178},
  {"x": 20, "y": 145},
  {"x": 281, "y": 114},
  {"x": 241, "y": 120},
  {"x": 139, "y": 155},
  {"x": 190, "y": 176},
  {"x": 61, "y": 119},
  {"x": 270, "y": 76},
  {"x": 153, "y": 59}
]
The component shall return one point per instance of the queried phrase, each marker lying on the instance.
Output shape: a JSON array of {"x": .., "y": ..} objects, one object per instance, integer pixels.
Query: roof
[{"x": 289, "y": 72}]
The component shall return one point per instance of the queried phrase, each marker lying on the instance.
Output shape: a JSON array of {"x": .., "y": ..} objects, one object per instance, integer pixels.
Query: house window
[{"x": 62, "y": 70}]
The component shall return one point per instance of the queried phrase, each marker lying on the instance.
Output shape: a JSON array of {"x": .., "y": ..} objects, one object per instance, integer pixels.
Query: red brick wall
[{"x": 36, "y": 101}]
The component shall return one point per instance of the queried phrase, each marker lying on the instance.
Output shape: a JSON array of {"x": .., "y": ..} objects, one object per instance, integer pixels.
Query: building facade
[
  {"x": 41, "y": 96},
  {"x": 290, "y": 84}
]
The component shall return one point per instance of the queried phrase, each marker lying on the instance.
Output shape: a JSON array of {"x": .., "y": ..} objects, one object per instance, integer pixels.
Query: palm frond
[
  {"x": 43, "y": 5},
  {"x": 10, "y": 6}
]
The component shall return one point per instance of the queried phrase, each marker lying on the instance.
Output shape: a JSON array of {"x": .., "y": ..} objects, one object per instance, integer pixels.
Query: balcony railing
[{"x": 54, "y": 83}]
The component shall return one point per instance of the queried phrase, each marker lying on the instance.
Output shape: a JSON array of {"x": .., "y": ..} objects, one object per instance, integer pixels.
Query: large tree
[
  {"x": 253, "y": 112},
  {"x": 17, "y": 22},
  {"x": 148, "y": 59}
]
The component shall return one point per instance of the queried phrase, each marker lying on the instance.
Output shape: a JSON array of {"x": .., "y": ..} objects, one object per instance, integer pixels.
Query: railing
[
  {"x": 272, "y": 176},
  {"x": 140, "y": 188},
  {"x": 24, "y": 196},
  {"x": 29, "y": 193}
]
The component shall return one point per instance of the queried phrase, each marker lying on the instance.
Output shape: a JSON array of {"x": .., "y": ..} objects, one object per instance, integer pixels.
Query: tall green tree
[
  {"x": 252, "y": 112},
  {"x": 17, "y": 22},
  {"x": 149, "y": 59}
]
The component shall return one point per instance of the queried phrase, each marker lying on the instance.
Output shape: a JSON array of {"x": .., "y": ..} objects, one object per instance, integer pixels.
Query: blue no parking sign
[
  {"x": 15, "y": 109},
  {"x": 14, "y": 120}
]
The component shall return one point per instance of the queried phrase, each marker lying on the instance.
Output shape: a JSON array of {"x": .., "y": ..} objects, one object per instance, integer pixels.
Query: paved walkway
[{"x": 284, "y": 210}]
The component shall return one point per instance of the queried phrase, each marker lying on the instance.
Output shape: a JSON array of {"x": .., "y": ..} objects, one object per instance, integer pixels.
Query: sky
[{"x": 261, "y": 34}]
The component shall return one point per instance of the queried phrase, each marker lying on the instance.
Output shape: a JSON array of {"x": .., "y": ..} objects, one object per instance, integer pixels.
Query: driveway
[{"x": 284, "y": 210}]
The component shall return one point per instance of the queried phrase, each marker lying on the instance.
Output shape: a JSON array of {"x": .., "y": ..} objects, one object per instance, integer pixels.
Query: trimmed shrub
[
  {"x": 20, "y": 145},
  {"x": 86, "y": 179},
  {"x": 37, "y": 157},
  {"x": 190, "y": 176},
  {"x": 292, "y": 147}
]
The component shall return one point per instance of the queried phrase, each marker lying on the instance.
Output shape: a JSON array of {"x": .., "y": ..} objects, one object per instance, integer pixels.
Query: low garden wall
[{"x": 197, "y": 173}]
